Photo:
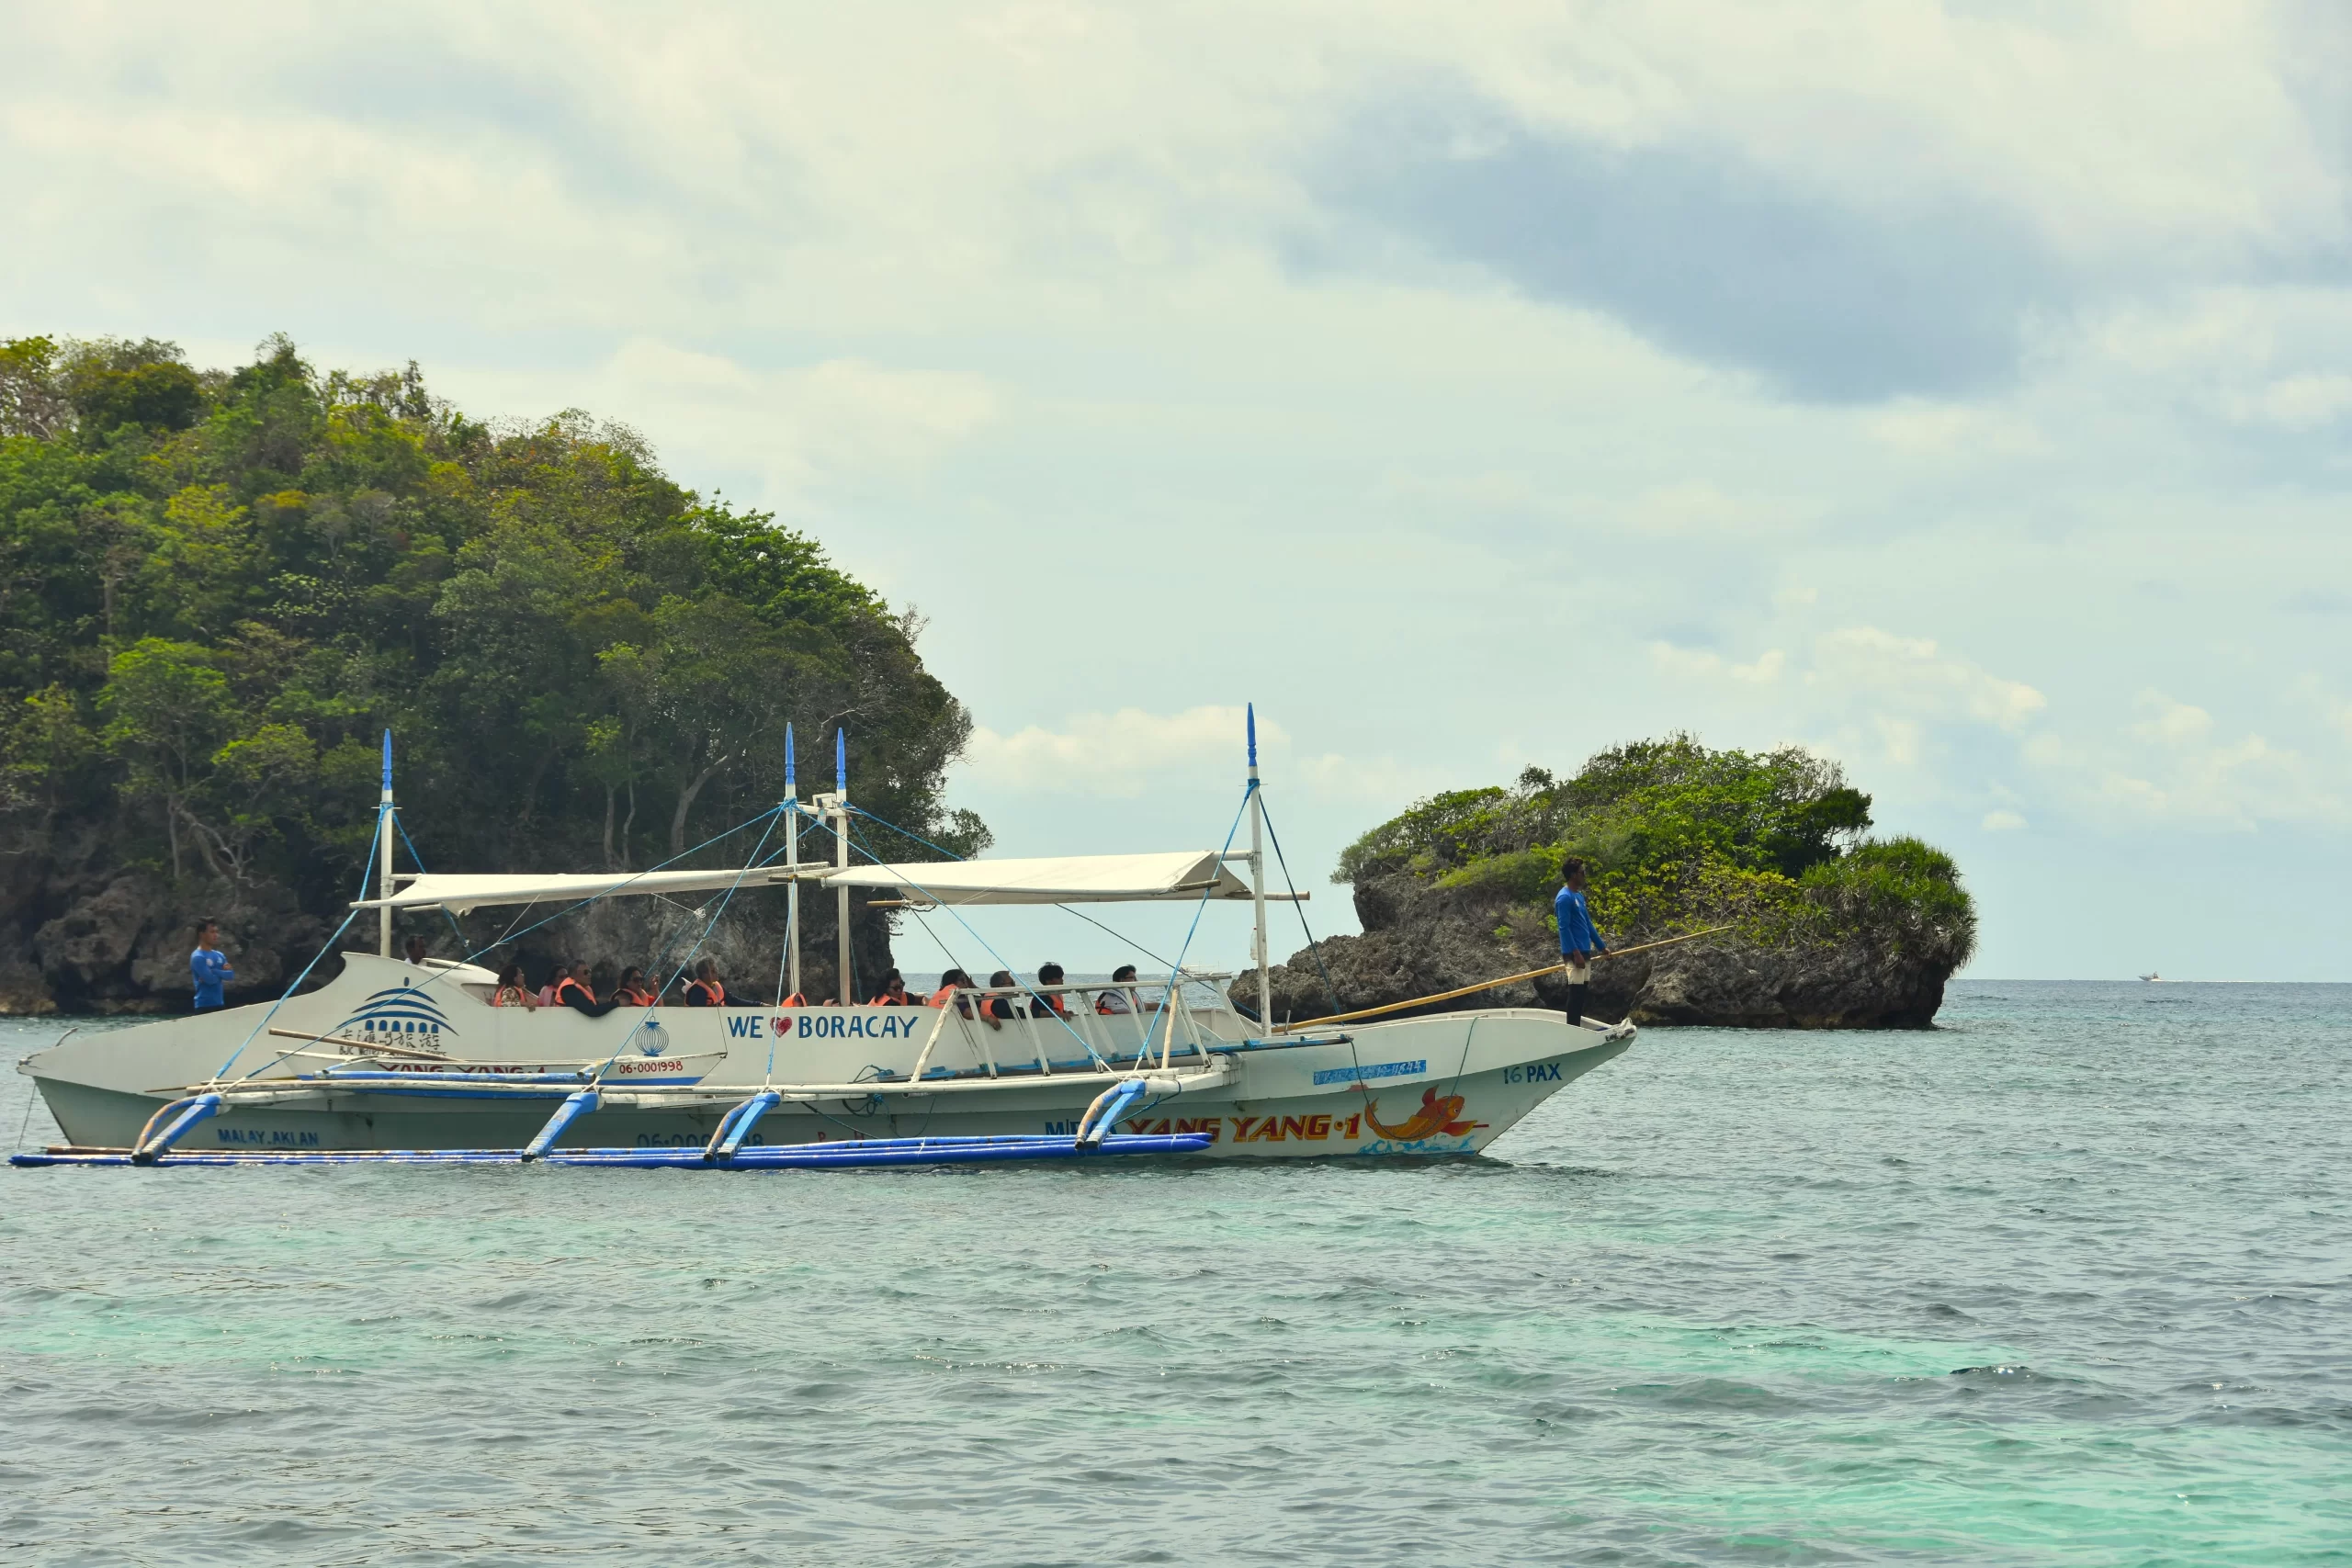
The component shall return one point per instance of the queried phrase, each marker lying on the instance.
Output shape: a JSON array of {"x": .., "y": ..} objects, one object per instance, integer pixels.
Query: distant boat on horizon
[{"x": 2151, "y": 975}]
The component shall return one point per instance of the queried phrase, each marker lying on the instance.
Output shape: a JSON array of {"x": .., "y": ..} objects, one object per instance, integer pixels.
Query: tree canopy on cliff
[
  {"x": 1676, "y": 836},
  {"x": 218, "y": 587}
]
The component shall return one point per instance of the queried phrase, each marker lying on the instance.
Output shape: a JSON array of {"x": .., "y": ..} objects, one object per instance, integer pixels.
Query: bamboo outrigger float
[{"x": 397, "y": 1063}]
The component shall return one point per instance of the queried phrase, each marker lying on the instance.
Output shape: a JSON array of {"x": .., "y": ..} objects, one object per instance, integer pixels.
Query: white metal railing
[{"x": 1165, "y": 1025}]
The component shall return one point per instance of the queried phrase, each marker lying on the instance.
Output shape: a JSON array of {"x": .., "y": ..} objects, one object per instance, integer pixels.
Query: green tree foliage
[
  {"x": 1676, "y": 835},
  {"x": 216, "y": 588}
]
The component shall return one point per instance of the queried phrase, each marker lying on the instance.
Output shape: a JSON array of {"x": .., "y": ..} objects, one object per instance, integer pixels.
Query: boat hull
[{"x": 1445, "y": 1085}]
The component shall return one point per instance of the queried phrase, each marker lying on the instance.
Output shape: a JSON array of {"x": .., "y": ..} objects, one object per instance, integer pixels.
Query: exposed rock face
[
  {"x": 1419, "y": 939},
  {"x": 75, "y": 938}
]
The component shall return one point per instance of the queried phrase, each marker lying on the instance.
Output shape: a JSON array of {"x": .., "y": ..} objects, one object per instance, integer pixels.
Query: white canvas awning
[
  {"x": 467, "y": 890},
  {"x": 1174, "y": 877}
]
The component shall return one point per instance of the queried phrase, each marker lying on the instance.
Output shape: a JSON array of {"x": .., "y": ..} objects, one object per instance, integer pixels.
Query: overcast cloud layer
[{"x": 1963, "y": 390}]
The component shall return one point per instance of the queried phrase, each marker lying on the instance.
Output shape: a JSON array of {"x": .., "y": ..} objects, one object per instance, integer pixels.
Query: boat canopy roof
[{"x": 1171, "y": 877}]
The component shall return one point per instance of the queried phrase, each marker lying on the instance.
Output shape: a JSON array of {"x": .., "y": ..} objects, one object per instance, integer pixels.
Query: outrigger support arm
[
  {"x": 1112, "y": 1102},
  {"x": 574, "y": 1108},
  {"x": 194, "y": 1109},
  {"x": 737, "y": 1125}
]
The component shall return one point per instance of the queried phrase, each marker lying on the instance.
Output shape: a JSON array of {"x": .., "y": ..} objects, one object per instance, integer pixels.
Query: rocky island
[
  {"x": 217, "y": 588},
  {"x": 1829, "y": 927}
]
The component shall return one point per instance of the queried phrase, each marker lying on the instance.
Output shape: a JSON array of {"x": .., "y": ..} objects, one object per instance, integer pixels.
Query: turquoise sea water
[{"x": 2063, "y": 1281}]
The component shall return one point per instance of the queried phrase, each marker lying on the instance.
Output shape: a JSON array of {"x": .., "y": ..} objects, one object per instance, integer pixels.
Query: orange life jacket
[
  {"x": 794, "y": 1000},
  {"x": 887, "y": 1000},
  {"x": 568, "y": 983},
  {"x": 940, "y": 997},
  {"x": 711, "y": 990},
  {"x": 633, "y": 997}
]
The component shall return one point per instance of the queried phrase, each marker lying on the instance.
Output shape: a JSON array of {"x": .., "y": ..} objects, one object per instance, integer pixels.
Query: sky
[{"x": 1963, "y": 390}]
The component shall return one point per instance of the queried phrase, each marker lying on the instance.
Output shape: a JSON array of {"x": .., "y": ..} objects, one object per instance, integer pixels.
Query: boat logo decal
[
  {"x": 400, "y": 1016},
  {"x": 1378, "y": 1070},
  {"x": 1434, "y": 1117}
]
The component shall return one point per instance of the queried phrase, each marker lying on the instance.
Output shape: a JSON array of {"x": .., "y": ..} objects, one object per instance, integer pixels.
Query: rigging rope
[{"x": 1300, "y": 905}]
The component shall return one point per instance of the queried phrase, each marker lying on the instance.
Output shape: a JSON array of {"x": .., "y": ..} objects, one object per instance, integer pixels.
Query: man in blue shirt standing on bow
[
  {"x": 208, "y": 966},
  {"x": 1578, "y": 940}
]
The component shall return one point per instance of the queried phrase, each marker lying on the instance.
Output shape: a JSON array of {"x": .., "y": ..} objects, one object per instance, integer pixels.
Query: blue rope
[
  {"x": 1093, "y": 1054},
  {"x": 456, "y": 929},
  {"x": 646, "y": 1014},
  {"x": 951, "y": 854},
  {"x": 366, "y": 867},
  {"x": 1176, "y": 974},
  {"x": 1312, "y": 945}
]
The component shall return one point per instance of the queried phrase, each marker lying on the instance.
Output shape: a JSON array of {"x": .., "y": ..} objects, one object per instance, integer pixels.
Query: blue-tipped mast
[
  {"x": 1258, "y": 877},
  {"x": 384, "y": 855},
  {"x": 790, "y": 978},
  {"x": 847, "y": 989}
]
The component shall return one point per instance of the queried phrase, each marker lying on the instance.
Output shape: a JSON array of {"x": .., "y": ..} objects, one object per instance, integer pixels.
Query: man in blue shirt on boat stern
[
  {"x": 209, "y": 967},
  {"x": 1578, "y": 940}
]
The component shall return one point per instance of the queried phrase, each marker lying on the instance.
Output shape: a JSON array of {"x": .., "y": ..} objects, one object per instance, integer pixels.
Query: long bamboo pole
[{"x": 1497, "y": 985}]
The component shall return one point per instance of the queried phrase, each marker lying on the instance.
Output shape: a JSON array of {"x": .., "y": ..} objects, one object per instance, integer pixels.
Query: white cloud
[
  {"x": 2295, "y": 403},
  {"x": 1910, "y": 676},
  {"x": 840, "y": 417},
  {"x": 1118, "y": 753},
  {"x": 2002, "y": 822},
  {"x": 1697, "y": 663},
  {"x": 1918, "y": 428}
]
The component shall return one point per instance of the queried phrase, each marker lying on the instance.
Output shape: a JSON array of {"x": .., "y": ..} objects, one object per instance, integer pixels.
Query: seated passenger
[
  {"x": 706, "y": 990},
  {"x": 512, "y": 992},
  {"x": 1119, "y": 1000},
  {"x": 415, "y": 952},
  {"x": 953, "y": 981},
  {"x": 556, "y": 977},
  {"x": 633, "y": 991},
  {"x": 998, "y": 1008},
  {"x": 1044, "y": 1003},
  {"x": 574, "y": 992},
  {"x": 894, "y": 992}
]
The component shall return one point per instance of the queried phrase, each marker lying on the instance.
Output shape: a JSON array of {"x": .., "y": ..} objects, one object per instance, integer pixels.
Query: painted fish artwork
[{"x": 1437, "y": 1116}]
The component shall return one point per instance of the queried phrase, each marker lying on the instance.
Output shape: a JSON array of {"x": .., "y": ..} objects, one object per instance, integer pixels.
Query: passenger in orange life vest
[
  {"x": 512, "y": 992},
  {"x": 555, "y": 976},
  {"x": 1048, "y": 1003},
  {"x": 996, "y": 1009},
  {"x": 633, "y": 991},
  {"x": 705, "y": 991},
  {"x": 894, "y": 992},
  {"x": 950, "y": 983},
  {"x": 1115, "y": 1000},
  {"x": 573, "y": 991}
]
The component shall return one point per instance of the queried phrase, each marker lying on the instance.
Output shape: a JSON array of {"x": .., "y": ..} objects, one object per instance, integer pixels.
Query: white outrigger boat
[{"x": 413, "y": 1062}]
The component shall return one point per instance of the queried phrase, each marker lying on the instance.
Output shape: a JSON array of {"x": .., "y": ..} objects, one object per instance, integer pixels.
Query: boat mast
[
  {"x": 841, "y": 854},
  {"x": 1258, "y": 879},
  {"x": 792, "y": 866},
  {"x": 384, "y": 856}
]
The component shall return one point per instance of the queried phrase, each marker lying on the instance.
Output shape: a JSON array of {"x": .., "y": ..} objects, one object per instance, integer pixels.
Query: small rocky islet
[{"x": 1827, "y": 927}]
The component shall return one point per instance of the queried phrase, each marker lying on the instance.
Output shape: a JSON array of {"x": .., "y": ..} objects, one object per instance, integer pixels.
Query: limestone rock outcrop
[{"x": 1419, "y": 939}]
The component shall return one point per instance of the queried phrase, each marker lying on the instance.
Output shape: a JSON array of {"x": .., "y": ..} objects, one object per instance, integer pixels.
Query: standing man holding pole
[
  {"x": 208, "y": 966},
  {"x": 1578, "y": 940}
]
